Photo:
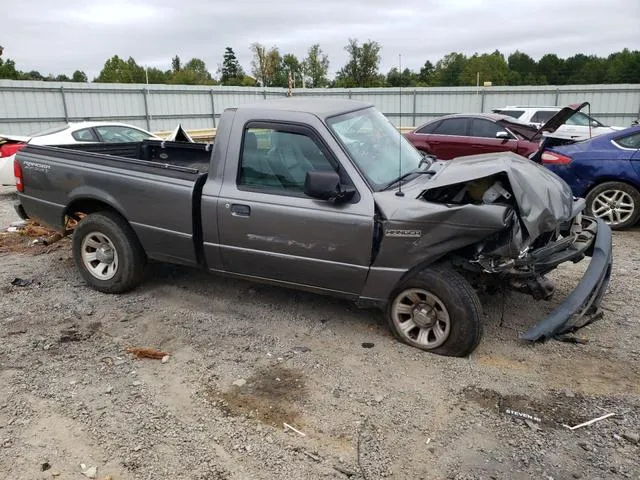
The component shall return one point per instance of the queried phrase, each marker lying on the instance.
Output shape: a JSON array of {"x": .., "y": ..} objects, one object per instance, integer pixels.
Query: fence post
[
  {"x": 557, "y": 96},
  {"x": 264, "y": 94},
  {"x": 349, "y": 94},
  {"x": 145, "y": 93},
  {"x": 415, "y": 93},
  {"x": 213, "y": 108},
  {"x": 482, "y": 100},
  {"x": 64, "y": 104}
]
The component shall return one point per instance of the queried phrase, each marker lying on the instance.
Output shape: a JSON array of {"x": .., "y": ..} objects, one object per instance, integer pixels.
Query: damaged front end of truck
[{"x": 503, "y": 222}]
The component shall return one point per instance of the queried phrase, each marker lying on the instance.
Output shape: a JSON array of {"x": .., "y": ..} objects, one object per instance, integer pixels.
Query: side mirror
[
  {"x": 503, "y": 134},
  {"x": 594, "y": 124},
  {"x": 325, "y": 185}
]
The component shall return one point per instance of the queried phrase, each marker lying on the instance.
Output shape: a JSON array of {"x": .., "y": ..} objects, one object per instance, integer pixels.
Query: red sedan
[{"x": 470, "y": 134}]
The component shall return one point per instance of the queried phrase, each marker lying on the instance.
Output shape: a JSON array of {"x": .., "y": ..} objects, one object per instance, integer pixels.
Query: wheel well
[
  {"x": 86, "y": 206},
  {"x": 602, "y": 180}
]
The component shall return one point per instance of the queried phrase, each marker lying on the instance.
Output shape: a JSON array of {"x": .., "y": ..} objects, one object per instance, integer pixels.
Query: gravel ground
[{"x": 244, "y": 359}]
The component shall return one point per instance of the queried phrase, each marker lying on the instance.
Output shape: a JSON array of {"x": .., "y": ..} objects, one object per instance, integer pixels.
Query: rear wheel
[
  {"x": 438, "y": 311},
  {"x": 617, "y": 203},
  {"x": 107, "y": 253}
]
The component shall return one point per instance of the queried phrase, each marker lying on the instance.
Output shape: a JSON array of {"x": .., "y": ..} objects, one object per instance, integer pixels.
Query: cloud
[{"x": 60, "y": 37}]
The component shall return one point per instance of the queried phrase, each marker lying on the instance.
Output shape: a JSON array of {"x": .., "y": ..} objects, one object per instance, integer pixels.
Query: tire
[
  {"x": 107, "y": 253},
  {"x": 617, "y": 203},
  {"x": 457, "y": 308}
]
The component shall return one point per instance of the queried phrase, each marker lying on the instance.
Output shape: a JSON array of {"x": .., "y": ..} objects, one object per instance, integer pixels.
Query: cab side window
[{"x": 278, "y": 160}]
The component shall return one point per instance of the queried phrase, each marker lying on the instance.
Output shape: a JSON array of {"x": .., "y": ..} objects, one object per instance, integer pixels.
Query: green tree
[
  {"x": 136, "y": 72},
  {"x": 115, "y": 70},
  {"x": 362, "y": 68},
  {"x": 194, "y": 72},
  {"x": 623, "y": 67},
  {"x": 448, "y": 70},
  {"x": 522, "y": 64},
  {"x": 199, "y": 67},
  {"x": 266, "y": 64},
  {"x": 248, "y": 81},
  {"x": 79, "y": 76},
  {"x": 62, "y": 78},
  {"x": 405, "y": 79},
  {"x": 425, "y": 77},
  {"x": 32, "y": 75},
  {"x": 291, "y": 66},
  {"x": 231, "y": 71},
  {"x": 8, "y": 69},
  {"x": 316, "y": 66},
  {"x": 492, "y": 67},
  {"x": 157, "y": 76},
  {"x": 175, "y": 64},
  {"x": 552, "y": 68}
]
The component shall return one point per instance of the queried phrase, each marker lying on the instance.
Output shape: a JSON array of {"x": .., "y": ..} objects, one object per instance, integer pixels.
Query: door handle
[{"x": 239, "y": 210}]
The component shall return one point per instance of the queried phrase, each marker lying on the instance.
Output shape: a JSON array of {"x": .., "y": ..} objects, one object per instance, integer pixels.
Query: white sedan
[{"x": 81, "y": 132}]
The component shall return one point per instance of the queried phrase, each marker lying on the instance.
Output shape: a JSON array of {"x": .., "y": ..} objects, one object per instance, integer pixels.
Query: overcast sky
[{"x": 64, "y": 35}]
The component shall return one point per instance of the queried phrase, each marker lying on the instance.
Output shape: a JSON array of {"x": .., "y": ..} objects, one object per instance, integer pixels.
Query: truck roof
[{"x": 321, "y": 107}]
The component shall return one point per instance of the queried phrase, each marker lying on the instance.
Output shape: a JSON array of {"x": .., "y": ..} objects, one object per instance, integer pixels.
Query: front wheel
[
  {"x": 438, "y": 311},
  {"x": 617, "y": 203},
  {"x": 107, "y": 253}
]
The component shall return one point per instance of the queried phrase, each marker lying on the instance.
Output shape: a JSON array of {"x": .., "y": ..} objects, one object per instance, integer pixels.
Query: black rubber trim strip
[{"x": 586, "y": 297}]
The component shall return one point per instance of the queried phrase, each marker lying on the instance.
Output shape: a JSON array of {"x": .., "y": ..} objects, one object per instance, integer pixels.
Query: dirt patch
[
  {"x": 600, "y": 375},
  {"x": 550, "y": 410},
  {"x": 271, "y": 395},
  {"x": 21, "y": 241}
]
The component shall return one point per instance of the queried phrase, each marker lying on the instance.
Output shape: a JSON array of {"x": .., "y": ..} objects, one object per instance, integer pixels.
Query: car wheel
[
  {"x": 107, "y": 253},
  {"x": 438, "y": 311},
  {"x": 617, "y": 203}
]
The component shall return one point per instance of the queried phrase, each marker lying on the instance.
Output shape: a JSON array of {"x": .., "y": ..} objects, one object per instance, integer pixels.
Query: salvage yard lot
[{"x": 245, "y": 358}]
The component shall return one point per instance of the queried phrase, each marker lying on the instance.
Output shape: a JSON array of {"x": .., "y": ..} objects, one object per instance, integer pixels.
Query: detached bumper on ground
[{"x": 582, "y": 303}]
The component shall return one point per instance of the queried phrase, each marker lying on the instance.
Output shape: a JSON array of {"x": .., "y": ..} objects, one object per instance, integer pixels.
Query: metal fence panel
[{"x": 30, "y": 106}]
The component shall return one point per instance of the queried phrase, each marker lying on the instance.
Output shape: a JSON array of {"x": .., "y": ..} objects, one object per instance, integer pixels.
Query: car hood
[
  {"x": 558, "y": 120},
  {"x": 542, "y": 200}
]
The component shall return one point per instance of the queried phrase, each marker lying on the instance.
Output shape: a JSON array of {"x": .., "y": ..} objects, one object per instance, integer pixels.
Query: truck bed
[
  {"x": 194, "y": 156},
  {"x": 155, "y": 185}
]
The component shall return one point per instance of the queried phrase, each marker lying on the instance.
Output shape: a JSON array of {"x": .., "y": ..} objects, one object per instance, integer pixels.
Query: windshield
[
  {"x": 583, "y": 120},
  {"x": 375, "y": 146}
]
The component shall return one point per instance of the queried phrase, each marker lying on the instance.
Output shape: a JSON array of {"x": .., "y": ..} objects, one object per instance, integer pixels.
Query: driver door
[{"x": 270, "y": 229}]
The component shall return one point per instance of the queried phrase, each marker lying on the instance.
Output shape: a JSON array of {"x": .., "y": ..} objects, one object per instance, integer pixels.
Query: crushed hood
[{"x": 543, "y": 199}]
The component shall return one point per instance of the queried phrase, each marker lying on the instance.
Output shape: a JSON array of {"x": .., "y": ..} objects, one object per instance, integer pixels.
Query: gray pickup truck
[{"x": 325, "y": 196}]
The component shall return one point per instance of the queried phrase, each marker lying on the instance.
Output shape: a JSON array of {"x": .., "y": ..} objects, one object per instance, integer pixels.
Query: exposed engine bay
[{"x": 513, "y": 257}]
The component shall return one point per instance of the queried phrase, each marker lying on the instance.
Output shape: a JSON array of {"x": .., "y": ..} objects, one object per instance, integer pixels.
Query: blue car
[{"x": 605, "y": 171}]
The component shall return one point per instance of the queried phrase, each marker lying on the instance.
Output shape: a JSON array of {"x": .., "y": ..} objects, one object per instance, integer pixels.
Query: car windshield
[
  {"x": 375, "y": 146},
  {"x": 583, "y": 120}
]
